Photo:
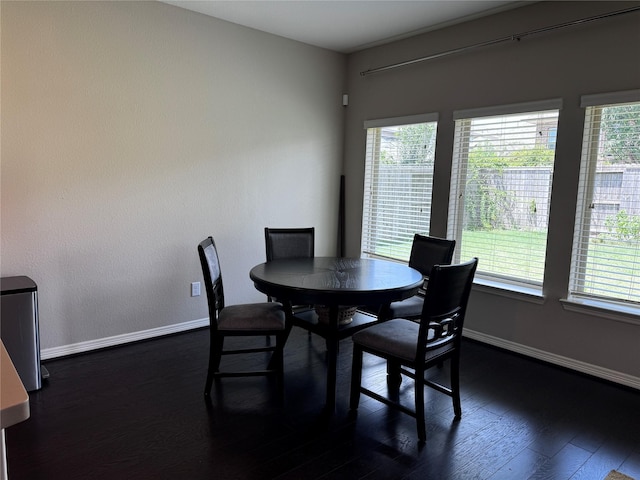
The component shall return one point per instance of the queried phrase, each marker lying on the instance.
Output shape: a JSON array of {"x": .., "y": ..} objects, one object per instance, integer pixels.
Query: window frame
[
  {"x": 613, "y": 309},
  {"x": 496, "y": 284},
  {"x": 378, "y": 124}
]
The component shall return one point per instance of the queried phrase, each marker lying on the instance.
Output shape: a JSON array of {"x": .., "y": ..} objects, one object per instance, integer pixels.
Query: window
[
  {"x": 605, "y": 263},
  {"x": 501, "y": 189},
  {"x": 398, "y": 184}
]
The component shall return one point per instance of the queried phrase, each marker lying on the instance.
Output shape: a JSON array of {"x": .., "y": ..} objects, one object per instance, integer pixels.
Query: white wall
[
  {"x": 131, "y": 131},
  {"x": 592, "y": 58}
]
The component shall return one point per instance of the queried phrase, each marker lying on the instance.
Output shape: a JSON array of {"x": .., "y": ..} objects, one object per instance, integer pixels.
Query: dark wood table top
[{"x": 336, "y": 280}]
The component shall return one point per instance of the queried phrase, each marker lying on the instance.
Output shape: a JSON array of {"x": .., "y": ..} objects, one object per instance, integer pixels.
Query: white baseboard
[
  {"x": 55, "y": 352},
  {"x": 589, "y": 369},
  {"x": 594, "y": 370}
]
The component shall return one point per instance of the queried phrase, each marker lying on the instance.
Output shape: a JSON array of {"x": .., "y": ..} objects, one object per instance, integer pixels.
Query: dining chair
[
  {"x": 243, "y": 320},
  {"x": 426, "y": 251},
  {"x": 290, "y": 243},
  {"x": 406, "y": 344}
]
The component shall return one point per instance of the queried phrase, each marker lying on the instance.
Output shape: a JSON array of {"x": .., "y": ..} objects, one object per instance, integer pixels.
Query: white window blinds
[
  {"x": 398, "y": 184},
  {"x": 501, "y": 179},
  {"x": 606, "y": 248}
]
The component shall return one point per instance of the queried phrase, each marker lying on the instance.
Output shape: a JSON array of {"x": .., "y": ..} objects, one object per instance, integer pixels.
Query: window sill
[
  {"x": 510, "y": 290},
  {"x": 599, "y": 308}
]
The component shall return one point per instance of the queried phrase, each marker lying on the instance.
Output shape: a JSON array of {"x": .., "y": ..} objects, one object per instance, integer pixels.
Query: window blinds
[
  {"x": 398, "y": 184},
  {"x": 501, "y": 189},
  {"x": 606, "y": 249}
]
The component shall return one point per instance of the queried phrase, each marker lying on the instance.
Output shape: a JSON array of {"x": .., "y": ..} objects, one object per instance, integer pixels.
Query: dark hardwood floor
[{"x": 137, "y": 412}]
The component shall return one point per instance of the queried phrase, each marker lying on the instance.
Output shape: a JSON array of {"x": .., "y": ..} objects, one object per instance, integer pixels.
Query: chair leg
[
  {"x": 394, "y": 377},
  {"x": 281, "y": 341},
  {"x": 455, "y": 385},
  {"x": 218, "y": 345},
  {"x": 419, "y": 405},
  {"x": 356, "y": 377},
  {"x": 209, "y": 382},
  {"x": 215, "y": 354},
  {"x": 277, "y": 359}
]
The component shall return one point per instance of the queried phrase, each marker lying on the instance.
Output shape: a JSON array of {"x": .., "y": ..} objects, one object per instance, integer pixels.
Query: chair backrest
[
  {"x": 445, "y": 306},
  {"x": 428, "y": 251},
  {"x": 289, "y": 243},
  {"x": 212, "y": 278}
]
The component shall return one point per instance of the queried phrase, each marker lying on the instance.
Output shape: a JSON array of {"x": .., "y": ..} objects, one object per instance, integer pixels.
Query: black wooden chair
[
  {"x": 419, "y": 346},
  {"x": 290, "y": 243},
  {"x": 426, "y": 251},
  {"x": 255, "y": 319}
]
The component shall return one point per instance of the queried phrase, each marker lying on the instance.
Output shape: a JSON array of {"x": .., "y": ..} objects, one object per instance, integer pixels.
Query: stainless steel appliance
[{"x": 19, "y": 328}]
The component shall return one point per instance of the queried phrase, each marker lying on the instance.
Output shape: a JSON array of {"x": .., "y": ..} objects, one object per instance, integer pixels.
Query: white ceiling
[{"x": 346, "y": 25}]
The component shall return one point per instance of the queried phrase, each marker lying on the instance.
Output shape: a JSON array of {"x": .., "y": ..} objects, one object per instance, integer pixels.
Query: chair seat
[
  {"x": 267, "y": 316},
  {"x": 397, "y": 338},
  {"x": 408, "y": 308}
]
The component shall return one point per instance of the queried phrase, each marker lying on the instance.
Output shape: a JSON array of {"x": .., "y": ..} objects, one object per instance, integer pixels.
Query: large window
[
  {"x": 501, "y": 179},
  {"x": 606, "y": 248},
  {"x": 398, "y": 184}
]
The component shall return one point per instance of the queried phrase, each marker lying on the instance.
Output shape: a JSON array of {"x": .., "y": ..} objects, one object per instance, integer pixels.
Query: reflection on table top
[{"x": 336, "y": 280}]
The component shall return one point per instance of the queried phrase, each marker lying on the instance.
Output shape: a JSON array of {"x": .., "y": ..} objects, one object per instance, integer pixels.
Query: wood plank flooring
[{"x": 137, "y": 412}]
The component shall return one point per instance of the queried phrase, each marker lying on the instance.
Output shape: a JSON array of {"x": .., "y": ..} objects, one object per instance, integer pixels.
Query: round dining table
[{"x": 335, "y": 283}]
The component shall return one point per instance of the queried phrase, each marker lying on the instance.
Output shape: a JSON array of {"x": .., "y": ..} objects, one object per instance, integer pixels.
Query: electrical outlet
[{"x": 195, "y": 289}]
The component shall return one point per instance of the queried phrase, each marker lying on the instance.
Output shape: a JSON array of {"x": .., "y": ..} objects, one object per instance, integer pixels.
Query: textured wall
[{"x": 132, "y": 130}]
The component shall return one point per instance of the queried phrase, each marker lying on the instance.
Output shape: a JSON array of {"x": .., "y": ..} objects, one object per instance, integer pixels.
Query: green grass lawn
[
  {"x": 521, "y": 254},
  {"x": 509, "y": 253},
  {"x": 614, "y": 266}
]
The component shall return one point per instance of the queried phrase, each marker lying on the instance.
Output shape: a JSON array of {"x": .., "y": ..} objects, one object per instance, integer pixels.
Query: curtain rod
[{"x": 515, "y": 37}]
